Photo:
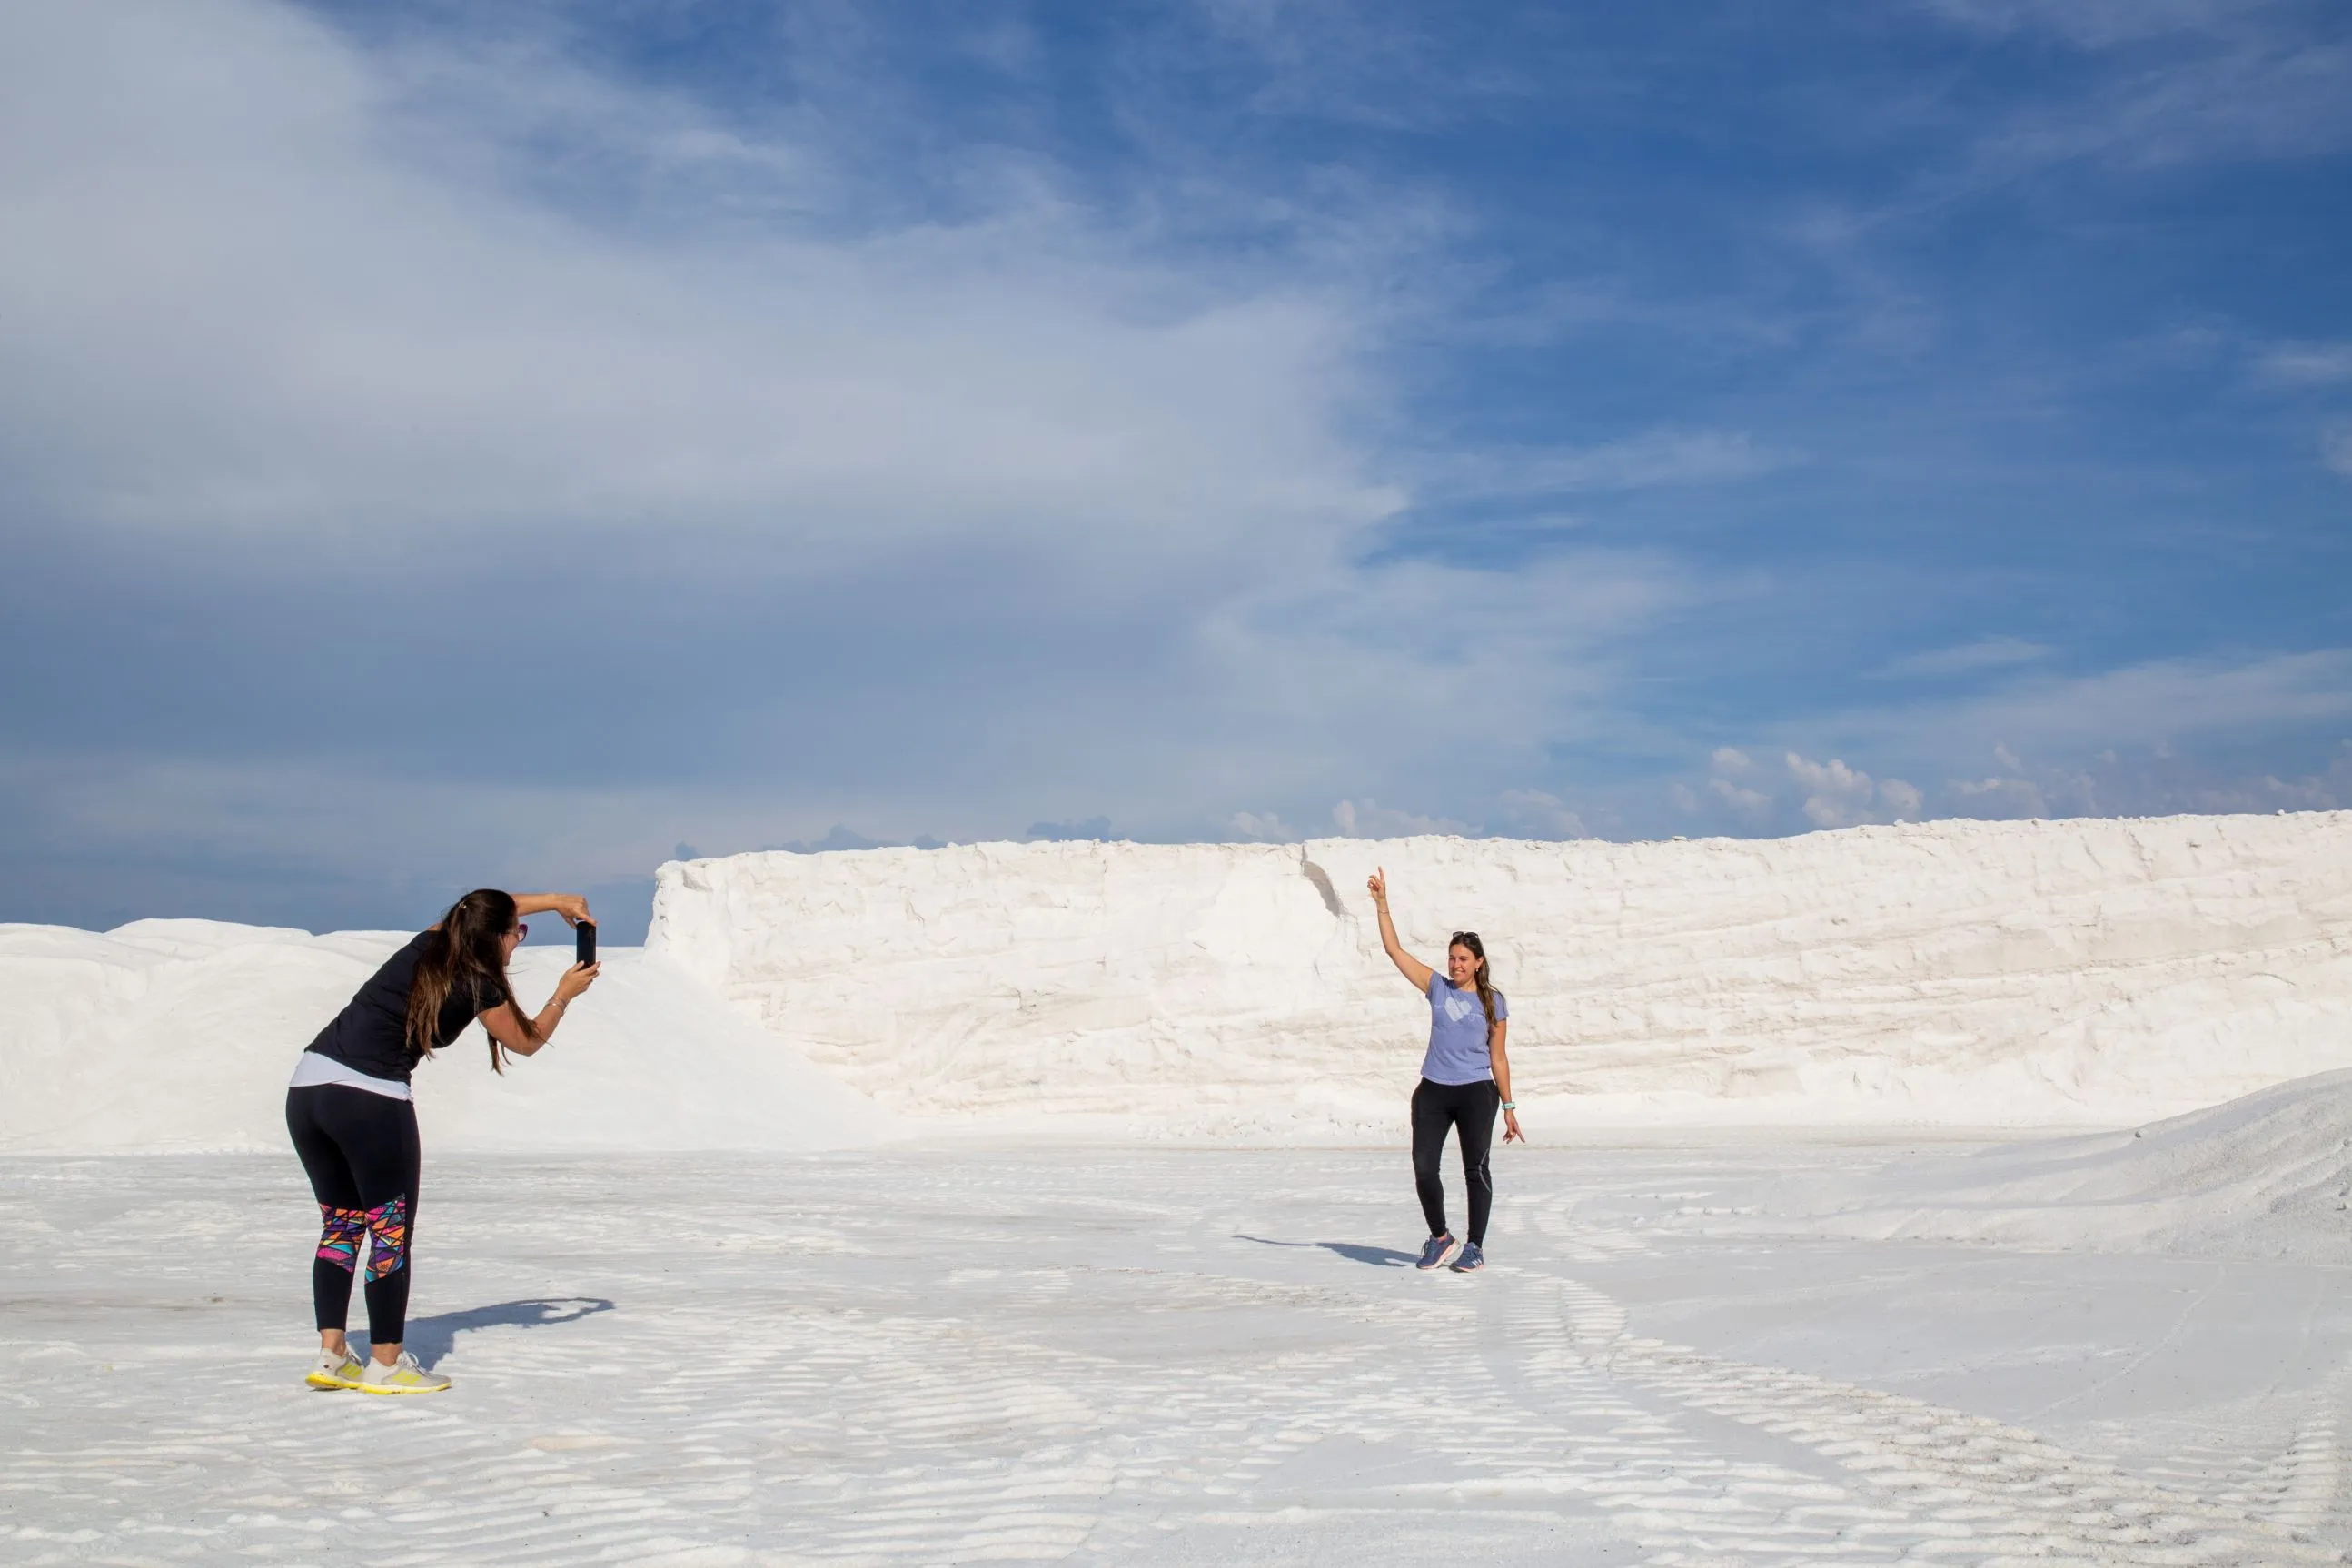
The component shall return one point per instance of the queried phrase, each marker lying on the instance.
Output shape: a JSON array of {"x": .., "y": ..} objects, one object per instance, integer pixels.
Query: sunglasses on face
[{"x": 521, "y": 930}]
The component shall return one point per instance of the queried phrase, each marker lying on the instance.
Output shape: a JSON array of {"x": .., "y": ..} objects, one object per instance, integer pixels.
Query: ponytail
[{"x": 464, "y": 951}]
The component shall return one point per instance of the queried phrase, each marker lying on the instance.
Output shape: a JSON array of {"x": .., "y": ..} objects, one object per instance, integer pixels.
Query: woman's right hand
[
  {"x": 575, "y": 980},
  {"x": 1379, "y": 885}
]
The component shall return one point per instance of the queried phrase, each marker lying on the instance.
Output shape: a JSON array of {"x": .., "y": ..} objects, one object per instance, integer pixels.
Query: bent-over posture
[
  {"x": 1465, "y": 1077},
  {"x": 354, "y": 1125}
]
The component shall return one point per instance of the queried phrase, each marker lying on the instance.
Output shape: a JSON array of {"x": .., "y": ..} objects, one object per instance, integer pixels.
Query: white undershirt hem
[{"x": 316, "y": 1068}]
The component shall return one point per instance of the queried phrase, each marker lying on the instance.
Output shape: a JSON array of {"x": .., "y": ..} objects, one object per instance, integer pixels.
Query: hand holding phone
[{"x": 583, "y": 943}]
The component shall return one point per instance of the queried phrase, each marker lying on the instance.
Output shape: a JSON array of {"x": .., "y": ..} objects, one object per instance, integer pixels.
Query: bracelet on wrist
[{"x": 1510, "y": 1105}]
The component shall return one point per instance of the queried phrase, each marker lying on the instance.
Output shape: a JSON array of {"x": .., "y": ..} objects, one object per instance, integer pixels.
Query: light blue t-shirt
[{"x": 1457, "y": 1033}]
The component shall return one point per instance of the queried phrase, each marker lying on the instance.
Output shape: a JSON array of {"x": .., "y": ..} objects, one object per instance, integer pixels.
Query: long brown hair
[
  {"x": 466, "y": 949},
  {"x": 1469, "y": 938}
]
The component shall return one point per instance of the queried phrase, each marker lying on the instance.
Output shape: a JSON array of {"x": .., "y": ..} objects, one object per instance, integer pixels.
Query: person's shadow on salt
[
  {"x": 430, "y": 1339},
  {"x": 1353, "y": 1251}
]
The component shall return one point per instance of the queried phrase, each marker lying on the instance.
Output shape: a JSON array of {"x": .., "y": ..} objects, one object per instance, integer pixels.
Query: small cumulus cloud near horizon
[{"x": 440, "y": 447}]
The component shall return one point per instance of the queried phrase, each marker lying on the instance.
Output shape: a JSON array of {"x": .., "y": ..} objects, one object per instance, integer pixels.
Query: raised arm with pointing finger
[{"x": 1411, "y": 968}]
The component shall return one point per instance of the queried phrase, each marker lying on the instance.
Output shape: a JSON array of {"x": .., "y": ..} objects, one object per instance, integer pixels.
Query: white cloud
[
  {"x": 1267, "y": 829},
  {"x": 2004, "y": 797},
  {"x": 266, "y": 290},
  {"x": 1680, "y": 795},
  {"x": 1537, "y": 815},
  {"x": 1840, "y": 797},
  {"x": 1370, "y": 819},
  {"x": 1731, "y": 762},
  {"x": 1752, "y": 804},
  {"x": 1837, "y": 795},
  {"x": 248, "y": 291}
]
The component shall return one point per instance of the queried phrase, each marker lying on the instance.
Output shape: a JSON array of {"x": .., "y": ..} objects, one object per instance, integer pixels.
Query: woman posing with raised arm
[
  {"x": 1465, "y": 1077},
  {"x": 354, "y": 1126}
]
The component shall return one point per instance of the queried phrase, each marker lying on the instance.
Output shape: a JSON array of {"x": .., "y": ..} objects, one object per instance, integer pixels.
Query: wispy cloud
[
  {"x": 1967, "y": 658},
  {"x": 2305, "y": 365},
  {"x": 1652, "y": 459},
  {"x": 2123, "y": 740},
  {"x": 2165, "y": 83},
  {"x": 2097, "y": 23},
  {"x": 2335, "y": 449},
  {"x": 2177, "y": 701}
]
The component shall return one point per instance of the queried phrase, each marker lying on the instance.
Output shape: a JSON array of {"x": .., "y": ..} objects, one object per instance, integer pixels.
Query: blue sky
[{"x": 438, "y": 450}]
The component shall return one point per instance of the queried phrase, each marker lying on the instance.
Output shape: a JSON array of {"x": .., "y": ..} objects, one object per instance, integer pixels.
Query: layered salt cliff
[
  {"x": 1958, "y": 973},
  {"x": 1962, "y": 973}
]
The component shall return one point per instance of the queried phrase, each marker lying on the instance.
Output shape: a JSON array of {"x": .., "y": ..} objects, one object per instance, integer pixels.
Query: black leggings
[
  {"x": 360, "y": 1151},
  {"x": 1471, "y": 1107}
]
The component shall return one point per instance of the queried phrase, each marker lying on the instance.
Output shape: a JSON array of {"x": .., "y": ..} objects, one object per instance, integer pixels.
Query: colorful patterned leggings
[{"x": 360, "y": 1151}]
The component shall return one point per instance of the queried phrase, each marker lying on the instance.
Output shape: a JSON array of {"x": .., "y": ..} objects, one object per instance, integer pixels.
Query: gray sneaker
[
  {"x": 1470, "y": 1261},
  {"x": 1438, "y": 1251},
  {"x": 337, "y": 1368},
  {"x": 402, "y": 1376}
]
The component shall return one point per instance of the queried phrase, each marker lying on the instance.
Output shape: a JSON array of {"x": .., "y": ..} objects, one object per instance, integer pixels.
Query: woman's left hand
[{"x": 1511, "y": 1132}]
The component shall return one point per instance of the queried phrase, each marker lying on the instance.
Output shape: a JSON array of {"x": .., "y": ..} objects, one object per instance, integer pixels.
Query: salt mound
[
  {"x": 1962, "y": 973},
  {"x": 178, "y": 1035},
  {"x": 2268, "y": 1175}
]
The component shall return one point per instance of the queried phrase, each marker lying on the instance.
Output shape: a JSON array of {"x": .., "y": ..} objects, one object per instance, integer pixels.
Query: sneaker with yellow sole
[
  {"x": 402, "y": 1376},
  {"x": 336, "y": 1369}
]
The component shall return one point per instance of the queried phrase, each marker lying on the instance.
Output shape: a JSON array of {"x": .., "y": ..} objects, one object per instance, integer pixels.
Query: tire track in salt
[{"x": 1967, "y": 1486}]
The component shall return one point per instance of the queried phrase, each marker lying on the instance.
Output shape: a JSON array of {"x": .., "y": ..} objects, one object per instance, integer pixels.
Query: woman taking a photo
[
  {"x": 354, "y": 1125},
  {"x": 1465, "y": 1077}
]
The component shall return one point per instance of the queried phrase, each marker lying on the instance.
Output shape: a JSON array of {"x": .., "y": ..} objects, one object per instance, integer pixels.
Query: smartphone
[{"x": 584, "y": 941}]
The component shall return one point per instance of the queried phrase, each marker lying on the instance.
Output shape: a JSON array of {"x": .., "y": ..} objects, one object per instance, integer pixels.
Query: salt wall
[{"x": 1954, "y": 973}]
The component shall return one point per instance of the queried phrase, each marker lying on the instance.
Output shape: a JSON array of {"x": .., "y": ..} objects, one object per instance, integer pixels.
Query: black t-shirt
[{"x": 370, "y": 1034}]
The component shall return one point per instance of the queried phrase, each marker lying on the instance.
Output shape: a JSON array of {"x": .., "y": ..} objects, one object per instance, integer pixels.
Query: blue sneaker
[
  {"x": 1470, "y": 1261},
  {"x": 1439, "y": 1251}
]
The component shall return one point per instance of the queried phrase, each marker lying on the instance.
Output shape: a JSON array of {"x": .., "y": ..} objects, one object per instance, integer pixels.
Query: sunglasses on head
[{"x": 1462, "y": 936}]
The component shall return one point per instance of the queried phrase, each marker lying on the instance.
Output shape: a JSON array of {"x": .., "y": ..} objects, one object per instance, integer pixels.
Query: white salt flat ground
[{"x": 1120, "y": 1355}]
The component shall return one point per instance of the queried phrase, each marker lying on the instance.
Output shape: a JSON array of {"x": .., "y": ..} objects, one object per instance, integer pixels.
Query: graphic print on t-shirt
[{"x": 1457, "y": 1051}]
